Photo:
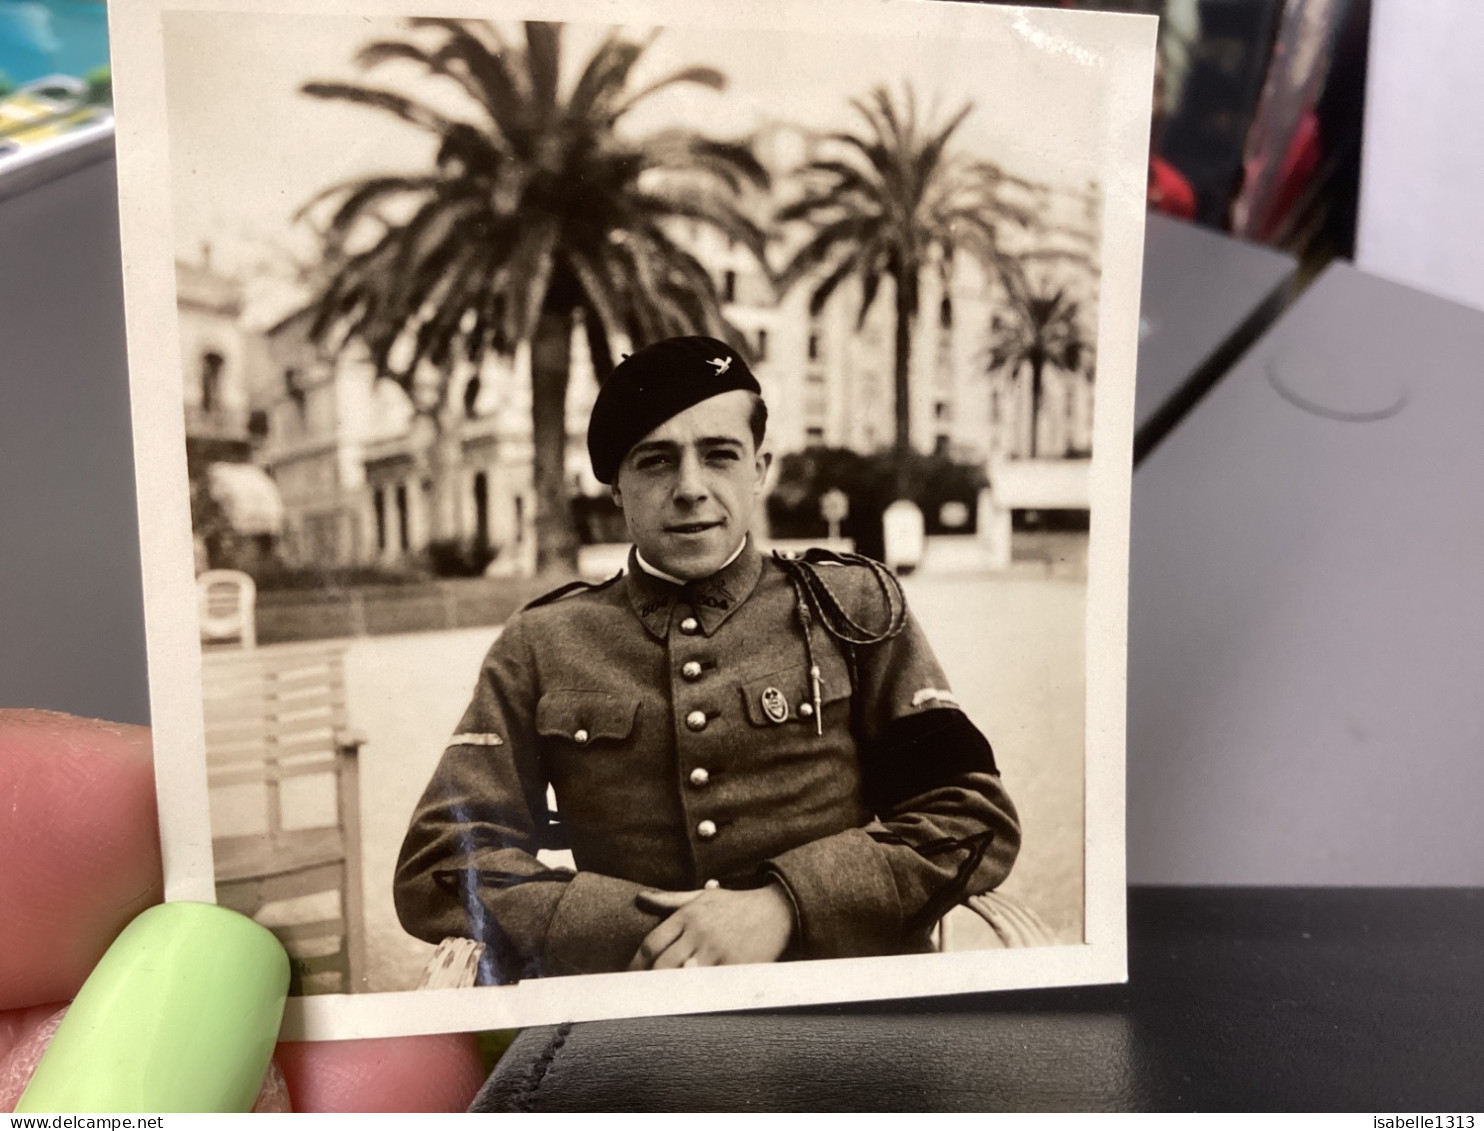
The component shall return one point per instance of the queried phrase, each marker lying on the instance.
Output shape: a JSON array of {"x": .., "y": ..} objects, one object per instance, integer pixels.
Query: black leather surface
[{"x": 1239, "y": 999}]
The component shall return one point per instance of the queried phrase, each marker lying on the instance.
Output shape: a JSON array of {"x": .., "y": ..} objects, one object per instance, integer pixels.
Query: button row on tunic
[
  {"x": 696, "y": 720},
  {"x": 690, "y": 626},
  {"x": 706, "y": 830},
  {"x": 700, "y": 776},
  {"x": 691, "y": 670}
]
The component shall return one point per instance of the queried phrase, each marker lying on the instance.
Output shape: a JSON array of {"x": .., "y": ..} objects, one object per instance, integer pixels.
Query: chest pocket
[
  {"x": 777, "y": 697},
  {"x": 585, "y": 717}
]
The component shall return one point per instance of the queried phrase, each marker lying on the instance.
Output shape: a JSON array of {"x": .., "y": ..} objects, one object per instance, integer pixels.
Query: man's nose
[{"x": 690, "y": 484}]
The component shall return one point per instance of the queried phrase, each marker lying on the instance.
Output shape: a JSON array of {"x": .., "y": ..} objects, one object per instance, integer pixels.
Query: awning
[{"x": 249, "y": 498}]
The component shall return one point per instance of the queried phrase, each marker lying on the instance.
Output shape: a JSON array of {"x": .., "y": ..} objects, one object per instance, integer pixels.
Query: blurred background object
[
  {"x": 1257, "y": 117},
  {"x": 56, "y": 88}
]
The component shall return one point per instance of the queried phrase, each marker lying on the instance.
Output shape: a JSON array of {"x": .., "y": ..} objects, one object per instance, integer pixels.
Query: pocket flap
[
  {"x": 597, "y": 714},
  {"x": 775, "y": 698}
]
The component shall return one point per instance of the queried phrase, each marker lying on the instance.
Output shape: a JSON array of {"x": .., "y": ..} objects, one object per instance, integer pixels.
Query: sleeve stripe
[
  {"x": 934, "y": 695},
  {"x": 476, "y": 740}
]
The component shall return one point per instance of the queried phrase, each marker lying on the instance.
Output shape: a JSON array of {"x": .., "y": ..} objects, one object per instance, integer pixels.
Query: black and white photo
[{"x": 635, "y": 510}]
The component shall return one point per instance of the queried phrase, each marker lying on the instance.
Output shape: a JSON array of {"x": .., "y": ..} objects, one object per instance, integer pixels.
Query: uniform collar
[{"x": 711, "y": 599}]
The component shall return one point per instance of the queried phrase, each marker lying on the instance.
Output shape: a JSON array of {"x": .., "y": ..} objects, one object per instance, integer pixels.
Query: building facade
[{"x": 366, "y": 480}]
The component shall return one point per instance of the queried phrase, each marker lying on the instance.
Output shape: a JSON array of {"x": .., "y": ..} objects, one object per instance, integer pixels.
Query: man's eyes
[{"x": 661, "y": 460}]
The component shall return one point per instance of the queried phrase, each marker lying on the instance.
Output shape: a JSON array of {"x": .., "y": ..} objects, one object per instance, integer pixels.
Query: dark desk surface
[{"x": 1239, "y": 999}]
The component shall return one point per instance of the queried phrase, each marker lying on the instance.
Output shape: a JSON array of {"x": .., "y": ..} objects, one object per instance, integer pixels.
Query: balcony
[{"x": 216, "y": 423}]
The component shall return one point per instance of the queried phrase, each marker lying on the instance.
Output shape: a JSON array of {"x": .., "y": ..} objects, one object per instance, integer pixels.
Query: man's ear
[
  {"x": 764, "y": 462},
  {"x": 617, "y": 495}
]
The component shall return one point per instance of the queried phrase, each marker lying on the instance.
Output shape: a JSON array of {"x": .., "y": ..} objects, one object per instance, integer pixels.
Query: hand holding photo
[{"x": 641, "y": 539}]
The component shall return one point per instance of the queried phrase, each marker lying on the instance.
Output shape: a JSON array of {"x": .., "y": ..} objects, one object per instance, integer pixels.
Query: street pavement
[{"x": 1012, "y": 647}]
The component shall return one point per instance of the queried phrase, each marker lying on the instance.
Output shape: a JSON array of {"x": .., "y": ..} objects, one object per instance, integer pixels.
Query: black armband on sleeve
[{"x": 921, "y": 752}]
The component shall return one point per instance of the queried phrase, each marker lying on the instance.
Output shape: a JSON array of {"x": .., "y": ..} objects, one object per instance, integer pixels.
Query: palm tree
[
  {"x": 1039, "y": 326},
  {"x": 888, "y": 202},
  {"x": 537, "y": 214}
]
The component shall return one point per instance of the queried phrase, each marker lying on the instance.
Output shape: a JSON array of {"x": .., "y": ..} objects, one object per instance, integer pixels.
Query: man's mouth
[{"x": 691, "y": 527}]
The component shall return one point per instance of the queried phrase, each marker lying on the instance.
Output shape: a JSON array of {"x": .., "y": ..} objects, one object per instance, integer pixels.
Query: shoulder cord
[{"x": 814, "y": 599}]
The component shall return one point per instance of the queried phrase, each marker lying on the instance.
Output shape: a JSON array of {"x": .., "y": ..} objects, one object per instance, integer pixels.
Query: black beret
[{"x": 658, "y": 382}]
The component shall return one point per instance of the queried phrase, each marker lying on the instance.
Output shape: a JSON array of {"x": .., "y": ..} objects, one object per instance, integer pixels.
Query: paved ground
[{"x": 1013, "y": 650}]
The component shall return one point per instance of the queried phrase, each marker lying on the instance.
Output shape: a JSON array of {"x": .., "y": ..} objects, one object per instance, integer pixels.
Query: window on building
[
  {"x": 940, "y": 444},
  {"x": 293, "y": 385},
  {"x": 481, "y": 511},
  {"x": 762, "y": 345},
  {"x": 212, "y": 364},
  {"x": 471, "y": 397},
  {"x": 942, "y": 410},
  {"x": 813, "y": 347},
  {"x": 404, "y": 539},
  {"x": 945, "y": 313},
  {"x": 520, "y": 518},
  {"x": 378, "y": 505},
  {"x": 729, "y": 286},
  {"x": 814, "y": 437}
]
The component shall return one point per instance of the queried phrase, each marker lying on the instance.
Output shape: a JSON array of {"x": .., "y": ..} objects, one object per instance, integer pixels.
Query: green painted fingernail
[{"x": 180, "y": 1015}]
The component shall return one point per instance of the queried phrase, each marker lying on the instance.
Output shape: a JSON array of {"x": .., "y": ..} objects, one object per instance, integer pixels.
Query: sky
[{"x": 247, "y": 149}]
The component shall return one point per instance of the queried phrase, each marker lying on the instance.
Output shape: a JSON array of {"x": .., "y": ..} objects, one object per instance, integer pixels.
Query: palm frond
[
  {"x": 408, "y": 109},
  {"x": 709, "y": 77}
]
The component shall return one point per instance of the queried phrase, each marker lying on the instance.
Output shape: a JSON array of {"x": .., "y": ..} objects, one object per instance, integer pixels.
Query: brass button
[
  {"x": 696, "y": 720},
  {"x": 711, "y": 885},
  {"x": 806, "y": 710},
  {"x": 691, "y": 670},
  {"x": 700, "y": 776},
  {"x": 580, "y": 737},
  {"x": 690, "y": 626},
  {"x": 706, "y": 830}
]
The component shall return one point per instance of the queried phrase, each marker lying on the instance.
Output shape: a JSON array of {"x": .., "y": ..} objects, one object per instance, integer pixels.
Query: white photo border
[{"x": 1121, "y": 45}]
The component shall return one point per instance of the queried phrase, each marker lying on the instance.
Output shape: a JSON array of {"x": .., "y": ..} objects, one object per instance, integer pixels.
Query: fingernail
[{"x": 181, "y": 1014}]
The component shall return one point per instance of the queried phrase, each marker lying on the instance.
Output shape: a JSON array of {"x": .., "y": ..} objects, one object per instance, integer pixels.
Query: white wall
[{"x": 1422, "y": 178}]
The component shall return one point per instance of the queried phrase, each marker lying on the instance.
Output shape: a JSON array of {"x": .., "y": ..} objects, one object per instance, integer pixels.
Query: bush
[
  {"x": 459, "y": 557},
  {"x": 282, "y": 578},
  {"x": 871, "y": 484}
]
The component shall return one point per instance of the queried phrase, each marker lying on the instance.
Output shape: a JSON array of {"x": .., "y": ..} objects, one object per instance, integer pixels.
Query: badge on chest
[{"x": 775, "y": 704}]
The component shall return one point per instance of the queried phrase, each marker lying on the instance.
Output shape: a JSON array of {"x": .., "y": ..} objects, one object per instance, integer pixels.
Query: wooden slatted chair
[{"x": 282, "y": 767}]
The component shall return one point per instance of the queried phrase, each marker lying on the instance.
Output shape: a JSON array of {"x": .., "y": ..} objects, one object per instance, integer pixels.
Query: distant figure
[{"x": 903, "y": 532}]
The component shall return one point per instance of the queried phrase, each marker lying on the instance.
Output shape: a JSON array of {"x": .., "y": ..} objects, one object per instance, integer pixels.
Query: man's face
[{"x": 689, "y": 489}]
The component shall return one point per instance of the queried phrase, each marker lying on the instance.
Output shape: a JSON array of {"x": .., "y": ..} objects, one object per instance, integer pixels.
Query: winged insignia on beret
[{"x": 722, "y": 364}]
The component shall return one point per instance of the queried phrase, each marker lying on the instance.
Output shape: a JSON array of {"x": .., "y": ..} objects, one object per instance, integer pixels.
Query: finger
[
  {"x": 664, "y": 902},
  {"x": 401, "y": 1074},
  {"x": 25, "y": 1033},
  {"x": 655, "y": 943},
  {"x": 81, "y": 848},
  {"x": 674, "y": 956},
  {"x": 28, "y": 1032}
]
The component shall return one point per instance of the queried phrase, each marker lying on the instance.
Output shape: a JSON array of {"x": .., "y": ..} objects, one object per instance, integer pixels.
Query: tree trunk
[
  {"x": 597, "y": 346},
  {"x": 902, "y": 386},
  {"x": 556, "y": 534},
  {"x": 442, "y": 457},
  {"x": 902, "y": 371},
  {"x": 1038, "y": 366}
]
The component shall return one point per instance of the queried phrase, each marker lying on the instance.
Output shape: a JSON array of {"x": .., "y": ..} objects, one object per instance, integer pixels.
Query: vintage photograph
[{"x": 635, "y": 513}]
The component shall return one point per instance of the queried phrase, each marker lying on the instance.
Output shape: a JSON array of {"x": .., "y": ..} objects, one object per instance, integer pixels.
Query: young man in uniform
[{"x": 753, "y": 758}]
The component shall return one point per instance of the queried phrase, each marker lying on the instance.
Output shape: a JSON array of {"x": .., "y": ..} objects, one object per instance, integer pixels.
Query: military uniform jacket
[{"x": 677, "y": 730}]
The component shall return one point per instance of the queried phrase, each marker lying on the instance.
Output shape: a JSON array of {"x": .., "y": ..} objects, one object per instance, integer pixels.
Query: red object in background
[{"x": 1169, "y": 191}]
